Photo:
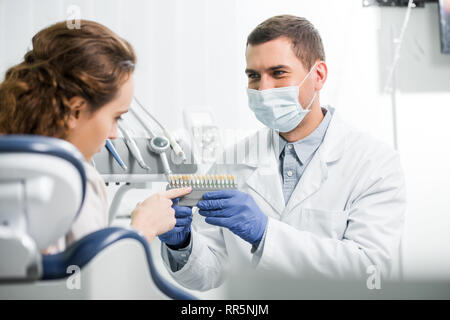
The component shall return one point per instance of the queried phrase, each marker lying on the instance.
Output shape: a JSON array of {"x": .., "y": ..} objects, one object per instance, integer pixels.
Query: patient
[{"x": 74, "y": 85}]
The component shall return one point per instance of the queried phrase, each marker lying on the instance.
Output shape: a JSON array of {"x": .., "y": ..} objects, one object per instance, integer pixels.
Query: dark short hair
[{"x": 306, "y": 41}]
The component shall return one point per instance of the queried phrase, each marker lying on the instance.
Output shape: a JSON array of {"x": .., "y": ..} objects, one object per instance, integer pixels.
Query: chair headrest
[{"x": 42, "y": 189}]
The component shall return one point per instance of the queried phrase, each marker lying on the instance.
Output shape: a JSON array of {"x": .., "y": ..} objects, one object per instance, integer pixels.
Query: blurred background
[{"x": 191, "y": 57}]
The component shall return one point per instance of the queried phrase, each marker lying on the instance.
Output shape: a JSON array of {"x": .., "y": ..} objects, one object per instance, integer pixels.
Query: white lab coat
[{"x": 345, "y": 214}]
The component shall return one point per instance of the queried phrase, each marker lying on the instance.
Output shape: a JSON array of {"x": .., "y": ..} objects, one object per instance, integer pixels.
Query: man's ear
[
  {"x": 77, "y": 106},
  {"x": 321, "y": 75}
]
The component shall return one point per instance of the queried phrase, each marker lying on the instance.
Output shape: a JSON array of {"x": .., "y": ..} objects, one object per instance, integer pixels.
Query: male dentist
[{"x": 325, "y": 200}]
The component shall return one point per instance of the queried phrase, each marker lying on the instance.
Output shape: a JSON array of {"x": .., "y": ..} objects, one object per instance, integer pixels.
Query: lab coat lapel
[
  {"x": 313, "y": 177},
  {"x": 265, "y": 180},
  {"x": 316, "y": 173}
]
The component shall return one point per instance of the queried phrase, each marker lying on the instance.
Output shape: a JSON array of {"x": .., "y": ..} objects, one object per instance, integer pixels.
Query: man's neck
[{"x": 311, "y": 121}]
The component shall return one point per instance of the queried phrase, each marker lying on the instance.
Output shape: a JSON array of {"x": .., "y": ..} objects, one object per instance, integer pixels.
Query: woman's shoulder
[
  {"x": 91, "y": 173},
  {"x": 94, "y": 179}
]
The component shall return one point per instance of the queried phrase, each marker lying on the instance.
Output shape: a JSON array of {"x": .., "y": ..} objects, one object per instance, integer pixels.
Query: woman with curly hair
[{"x": 74, "y": 85}]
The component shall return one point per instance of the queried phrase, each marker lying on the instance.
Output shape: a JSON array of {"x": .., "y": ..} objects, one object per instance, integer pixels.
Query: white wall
[
  {"x": 423, "y": 103},
  {"x": 191, "y": 54}
]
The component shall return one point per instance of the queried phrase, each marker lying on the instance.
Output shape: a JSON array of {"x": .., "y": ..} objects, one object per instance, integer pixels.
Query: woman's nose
[{"x": 113, "y": 133}]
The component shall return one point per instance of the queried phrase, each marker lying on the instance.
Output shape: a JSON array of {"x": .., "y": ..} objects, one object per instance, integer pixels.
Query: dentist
[{"x": 323, "y": 200}]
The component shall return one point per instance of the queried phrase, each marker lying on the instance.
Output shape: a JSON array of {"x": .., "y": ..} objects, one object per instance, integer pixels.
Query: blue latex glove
[
  {"x": 177, "y": 237},
  {"x": 236, "y": 211}
]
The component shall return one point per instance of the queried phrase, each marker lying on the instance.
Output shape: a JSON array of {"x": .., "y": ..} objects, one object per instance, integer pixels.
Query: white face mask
[{"x": 279, "y": 108}]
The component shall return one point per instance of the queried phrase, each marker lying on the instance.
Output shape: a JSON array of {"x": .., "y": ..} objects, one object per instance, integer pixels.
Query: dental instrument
[
  {"x": 176, "y": 147},
  {"x": 114, "y": 153},
  {"x": 159, "y": 145},
  {"x": 131, "y": 144}
]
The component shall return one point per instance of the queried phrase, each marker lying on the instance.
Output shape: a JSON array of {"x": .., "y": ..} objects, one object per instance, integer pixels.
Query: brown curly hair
[{"x": 91, "y": 62}]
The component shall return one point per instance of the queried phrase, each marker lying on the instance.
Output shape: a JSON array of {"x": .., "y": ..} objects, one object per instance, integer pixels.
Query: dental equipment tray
[{"x": 112, "y": 172}]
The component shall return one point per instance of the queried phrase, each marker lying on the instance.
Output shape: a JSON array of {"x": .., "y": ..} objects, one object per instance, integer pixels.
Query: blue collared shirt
[{"x": 295, "y": 156}]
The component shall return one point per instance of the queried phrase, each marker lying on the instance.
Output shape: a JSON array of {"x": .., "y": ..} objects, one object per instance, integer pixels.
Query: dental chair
[{"x": 42, "y": 188}]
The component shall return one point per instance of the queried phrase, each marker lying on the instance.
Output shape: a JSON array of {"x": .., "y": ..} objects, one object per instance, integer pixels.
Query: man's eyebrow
[
  {"x": 280, "y": 66},
  {"x": 122, "y": 111},
  {"x": 250, "y": 71}
]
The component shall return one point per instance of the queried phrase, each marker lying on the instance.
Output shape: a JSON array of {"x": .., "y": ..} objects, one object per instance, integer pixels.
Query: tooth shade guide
[
  {"x": 202, "y": 181},
  {"x": 200, "y": 184}
]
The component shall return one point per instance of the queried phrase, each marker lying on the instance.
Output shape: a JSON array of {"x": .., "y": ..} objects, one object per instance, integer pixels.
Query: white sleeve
[
  {"x": 205, "y": 267},
  {"x": 257, "y": 251},
  {"x": 177, "y": 258}
]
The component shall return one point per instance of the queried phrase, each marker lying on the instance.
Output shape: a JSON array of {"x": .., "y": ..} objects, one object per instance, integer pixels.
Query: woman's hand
[{"x": 155, "y": 215}]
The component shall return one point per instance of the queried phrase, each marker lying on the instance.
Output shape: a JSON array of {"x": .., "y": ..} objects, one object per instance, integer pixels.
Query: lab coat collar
[
  {"x": 334, "y": 143},
  {"x": 265, "y": 179}
]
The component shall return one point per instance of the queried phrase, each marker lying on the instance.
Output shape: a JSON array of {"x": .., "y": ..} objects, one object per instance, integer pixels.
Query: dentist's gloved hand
[
  {"x": 236, "y": 211},
  {"x": 178, "y": 237}
]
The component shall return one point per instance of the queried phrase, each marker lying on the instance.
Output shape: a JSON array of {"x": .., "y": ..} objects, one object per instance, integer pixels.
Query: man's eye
[
  {"x": 119, "y": 118},
  {"x": 278, "y": 73},
  {"x": 253, "y": 76}
]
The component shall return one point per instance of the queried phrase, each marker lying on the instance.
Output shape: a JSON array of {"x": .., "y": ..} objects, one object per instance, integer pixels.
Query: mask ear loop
[
  {"x": 310, "y": 71},
  {"x": 315, "y": 92},
  {"x": 312, "y": 100}
]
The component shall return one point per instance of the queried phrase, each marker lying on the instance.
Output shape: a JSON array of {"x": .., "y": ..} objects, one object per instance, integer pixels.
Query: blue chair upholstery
[
  {"x": 50, "y": 271},
  {"x": 84, "y": 250},
  {"x": 42, "y": 189},
  {"x": 45, "y": 145}
]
